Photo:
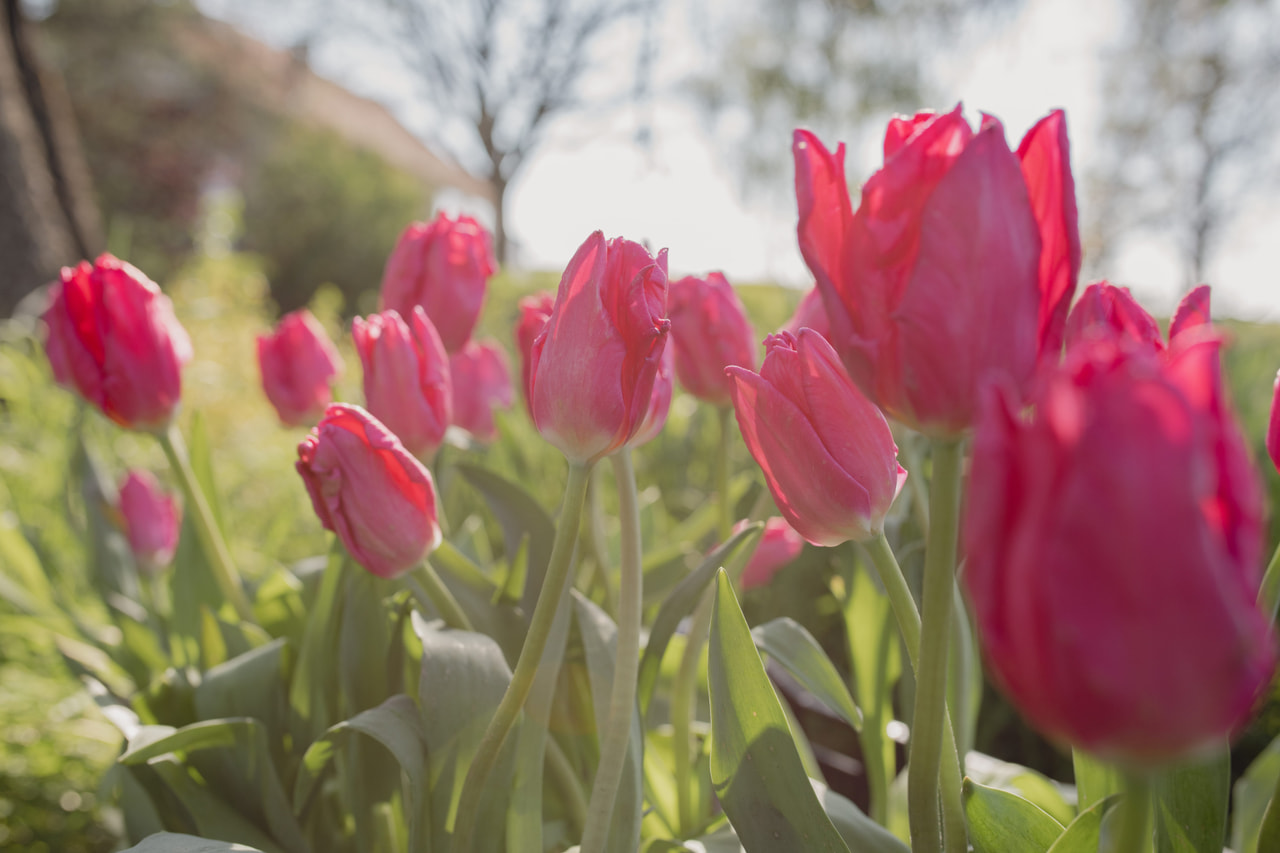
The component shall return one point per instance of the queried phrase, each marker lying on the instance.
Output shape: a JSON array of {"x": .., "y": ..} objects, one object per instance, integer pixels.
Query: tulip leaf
[
  {"x": 680, "y": 603},
  {"x": 794, "y": 648},
  {"x": 1082, "y": 834},
  {"x": 1253, "y": 791},
  {"x": 172, "y": 842},
  {"x": 755, "y": 769},
  {"x": 313, "y": 691},
  {"x": 1023, "y": 781},
  {"x": 861, "y": 833},
  {"x": 1190, "y": 804},
  {"x": 213, "y": 816},
  {"x": 1002, "y": 822},
  {"x": 251, "y": 685}
]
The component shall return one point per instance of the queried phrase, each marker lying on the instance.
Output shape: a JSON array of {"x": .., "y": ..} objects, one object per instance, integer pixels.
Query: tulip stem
[
  {"x": 442, "y": 598},
  {"x": 596, "y": 542},
  {"x": 615, "y": 739},
  {"x": 1269, "y": 592},
  {"x": 930, "y": 718},
  {"x": 215, "y": 549},
  {"x": 724, "y": 516},
  {"x": 1132, "y": 831},
  {"x": 544, "y": 613}
]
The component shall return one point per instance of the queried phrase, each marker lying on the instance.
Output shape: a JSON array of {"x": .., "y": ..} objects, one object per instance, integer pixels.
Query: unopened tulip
[
  {"x": 298, "y": 362},
  {"x": 1113, "y": 539},
  {"x": 370, "y": 491},
  {"x": 443, "y": 266},
  {"x": 481, "y": 382},
  {"x": 111, "y": 335},
  {"x": 779, "y": 545},
  {"x": 810, "y": 314},
  {"x": 534, "y": 311},
  {"x": 406, "y": 378},
  {"x": 593, "y": 365},
  {"x": 151, "y": 521},
  {"x": 959, "y": 262},
  {"x": 826, "y": 450},
  {"x": 709, "y": 332}
]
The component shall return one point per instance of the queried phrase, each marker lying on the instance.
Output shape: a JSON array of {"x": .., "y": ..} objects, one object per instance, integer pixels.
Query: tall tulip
[
  {"x": 298, "y": 362},
  {"x": 709, "y": 332},
  {"x": 481, "y": 382},
  {"x": 151, "y": 521},
  {"x": 592, "y": 367},
  {"x": 112, "y": 336},
  {"x": 406, "y": 377},
  {"x": 959, "y": 262},
  {"x": 826, "y": 450},
  {"x": 443, "y": 266},
  {"x": 369, "y": 490},
  {"x": 1113, "y": 541}
]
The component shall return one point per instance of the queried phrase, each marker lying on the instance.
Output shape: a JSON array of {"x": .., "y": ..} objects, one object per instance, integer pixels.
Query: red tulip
[
  {"x": 151, "y": 521},
  {"x": 959, "y": 262},
  {"x": 534, "y": 312},
  {"x": 111, "y": 335},
  {"x": 709, "y": 332},
  {"x": 826, "y": 450},
  {"x": 406, "y": 378},
  {"x": 1106, "y": 311},
  {"x": 593, "y": 365},
  {"x": 779, "y": 545},
  {"x": 810, "y": 314},
  {"x": 444, "y": 267},
  {"x": 297, "y": 362},
  {"x": 1113, "y": 544},
  {"x": 481, "y": 382},
  {"x": 370, "y": 491}
]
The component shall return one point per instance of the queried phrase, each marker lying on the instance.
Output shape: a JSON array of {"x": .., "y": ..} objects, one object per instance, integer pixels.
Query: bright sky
[{"x": 680, "y": 193}]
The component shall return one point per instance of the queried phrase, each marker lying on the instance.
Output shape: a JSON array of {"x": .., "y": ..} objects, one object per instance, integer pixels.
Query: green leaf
[
  {"x": 790, "y": 645},
  {"x": 1253, "y": 791},
  {"x": 1190, "y": 805},
  {"x": 679, "y": 604},
  {"x": 1095, "y": 780},
  {"x": 172, "y": 842},
  {"x": 1023, "y": 781},
  {"x": 861, "y": 833},
  {"x": 1082, "y": 833},
  {"x": 1001, "y": 822},
  {"x": 213, "y": 816},
  {"x": 313, "y": 691},
  {"x": 754, "y": 766}
]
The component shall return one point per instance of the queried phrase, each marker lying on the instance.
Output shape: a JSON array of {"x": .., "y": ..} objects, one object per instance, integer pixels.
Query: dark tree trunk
[
  {"x": 500, "y": 247},
  {"x": 47, "y": 218}
]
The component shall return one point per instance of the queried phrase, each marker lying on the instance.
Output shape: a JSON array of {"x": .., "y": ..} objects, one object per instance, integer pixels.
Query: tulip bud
[
  {"x": 534, "y": 311},
  {"x": 810, "y": 314},
  {"x": 826, "y": 450},
  {"x": 298, "y": 361},
  {"x": 1113, "y": 539},
  {"x": 151, "y": 521},
  {"x": 370, "y": 491},
  {"x": 779, "y": 545},
  {"x": 593, "y": 365},
  {"x": 958, "y": 263},
  {"x": 481, "y": 382},
  {"x": 709, "y": 332},
  {"x": 406, "y": 378},
  {"x": 111, "y": 335},
  {"x": 444, "y": 267}
]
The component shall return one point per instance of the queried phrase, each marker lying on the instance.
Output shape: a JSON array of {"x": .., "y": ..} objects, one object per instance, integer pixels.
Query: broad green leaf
[
  {"x": 1253, "y": 791},
  {"x": 754, "y": 766},
  {"x": 1095, "y": 780},
  {"x": 1001, "y": 822},
  {"x": 172, "y": 842},
  {"x": 521, "y": 519},
  {"x": 1023, "y": 781},
  {"x": 1190, "y": 805},
  {"x": 861, "y": 833},
  {"x": 680, "y": 603},
  {"x": 1083, "y": 832},
  {"x": 790, "y": 645},
  {"x": 213, "y": 816}
]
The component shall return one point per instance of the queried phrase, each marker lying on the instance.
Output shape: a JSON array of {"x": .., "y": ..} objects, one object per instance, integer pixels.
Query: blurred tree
[{"x": 1191, "y": 126}]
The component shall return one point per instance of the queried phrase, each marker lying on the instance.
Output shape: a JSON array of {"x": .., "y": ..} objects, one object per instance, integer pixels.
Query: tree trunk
[
  {"x": 500, "y": 247},
  {"x": 47, "y": 218}
]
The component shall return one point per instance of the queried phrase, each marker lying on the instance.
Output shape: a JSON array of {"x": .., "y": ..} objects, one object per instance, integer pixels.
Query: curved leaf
[
  {"x": 1001, "y": 822},
  {"x": 794, "y": 648},
  {"x": 172, "y": 842}
]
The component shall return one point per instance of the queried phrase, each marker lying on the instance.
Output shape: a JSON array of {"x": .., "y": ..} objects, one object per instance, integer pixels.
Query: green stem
[
  {"x": 442, "y": 598},
  {"x": 215, "y": 549},
  {"x": 1132, "y": 830},
  {"x": 1269, "y": 592},
  {"x": 596, "y": 541},
  {"x": 682, "y": 710},
  {"x": 724, "y": 516},
  {"x": 575, "y": 492},
  {"x": 622, "y": 698},
  {"x": 575, "y": 798},
  {"x": 929, "y": 721}
]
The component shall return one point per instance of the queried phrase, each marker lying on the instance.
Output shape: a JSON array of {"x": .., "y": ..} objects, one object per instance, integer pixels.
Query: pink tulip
[
  {"x": 1106, "y": 311},
  {"x": 534, "y": 312},
  {"x": 709, "y": 331},
  {"x": 958, "y": 263},
  {"x": 1113, "y": 543},
  {"x": 297, "y": 362},
  {"x": 593, "y": 365},
  {"x": 779, "y": 545},
  {"x": 826, "y": 450},
  {"x": 481, "y": 383},
  {"x": 444, "y": 267},
  {"x": 406, "y": 378},
  {"x": 370, "y": 491},
  {"x": 810, "y": 314},
  {"x": 151, "y": 521},
  {"x": 111, "y": 335},
  {"x": 655, "y": 418}
]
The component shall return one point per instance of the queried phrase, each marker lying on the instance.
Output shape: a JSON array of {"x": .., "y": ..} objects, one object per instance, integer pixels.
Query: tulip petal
[{"x": 1192, "y": 311}]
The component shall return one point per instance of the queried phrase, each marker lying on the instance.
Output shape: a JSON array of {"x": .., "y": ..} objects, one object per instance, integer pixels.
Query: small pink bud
[
  {"x": 298, "y": 362},
  {"x": 709, "y": 331},
  {"x": 151, "y": 520},
  {"x": 779, "y": 545},
  {"x": 481, "y": 382}
]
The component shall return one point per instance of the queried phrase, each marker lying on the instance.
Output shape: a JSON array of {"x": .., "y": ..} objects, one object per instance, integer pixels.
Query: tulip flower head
[
  {"x": 151, "y": 520},
  {"x": 298, "y": 362},
  {"x": 655, "y": 417},
  {"x": 444, "y": 267},
  {"x": 534, "y": 311},
  {"x": 826, "y": 450},
  {"x": 1106, "y": 311},
  {"x": 779, "y": 545},
  {"x": 959, "y": 262},
  {"x": 369, "y": 490},
  {"x": 593, "y": 365},
  {"x": 481, "y": 382},
  {"x": 111, "y": 335},
  {"x": 406, "y": 377},
  {"x": 709, "y": 332}
]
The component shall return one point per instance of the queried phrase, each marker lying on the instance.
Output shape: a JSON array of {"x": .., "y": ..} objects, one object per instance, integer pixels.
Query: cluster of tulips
[{"x": 1110, "y": 545}]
